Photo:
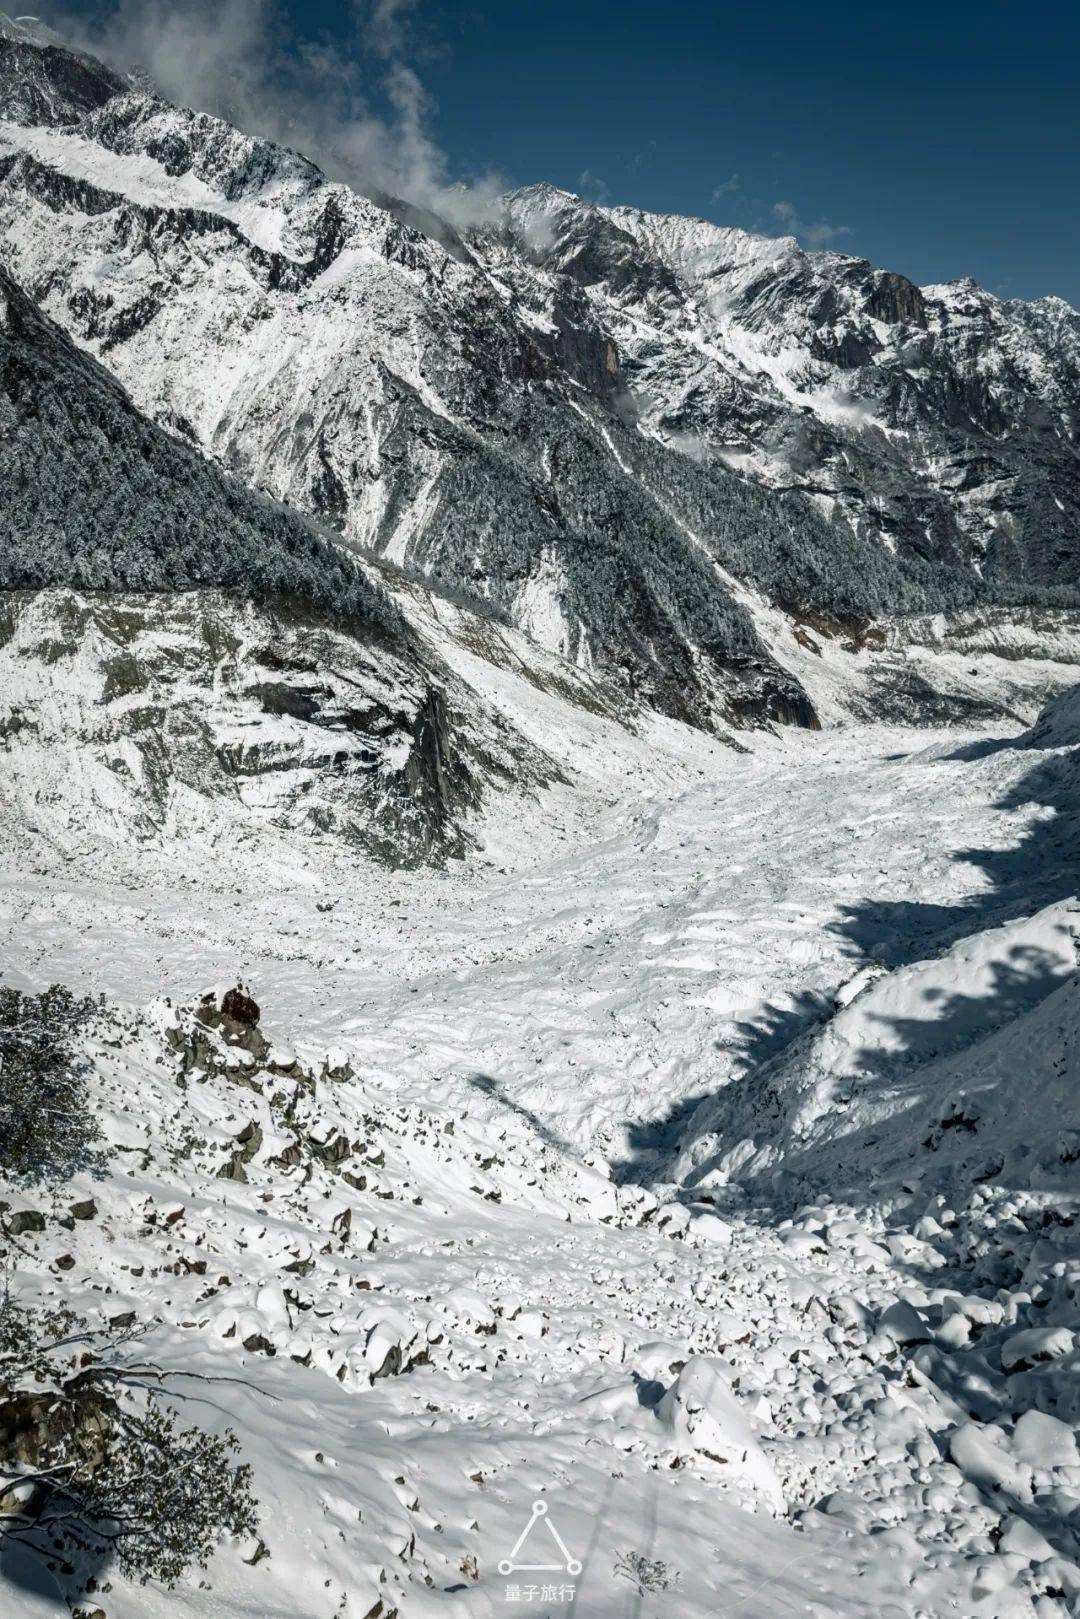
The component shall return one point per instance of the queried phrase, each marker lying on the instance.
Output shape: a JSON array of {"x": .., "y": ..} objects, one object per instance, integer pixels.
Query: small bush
[
  {"x": 46, "y": 1132},
  {"x": 26, "y": 1337},
  {"x": 646, "y": 1574},
  {"x": 94, "y": 1461},
  {"x": 162, "y": 1494}
]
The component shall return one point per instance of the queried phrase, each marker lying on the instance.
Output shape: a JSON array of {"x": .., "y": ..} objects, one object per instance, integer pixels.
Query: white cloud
[
  {"x": 727, "y": 189},
  {"x": 592, "y": 188},
  {"x": 812, "y": 236},
  {"x": 691, "y": 445},
  {"x": 356, "y": 108},
  {"x": 387, "y": 22}
]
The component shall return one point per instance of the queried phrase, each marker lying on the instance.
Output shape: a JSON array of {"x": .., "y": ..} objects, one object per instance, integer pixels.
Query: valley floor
[
  {"x": 668, "y": 936},
  {"x": 564, "y": 1001}
]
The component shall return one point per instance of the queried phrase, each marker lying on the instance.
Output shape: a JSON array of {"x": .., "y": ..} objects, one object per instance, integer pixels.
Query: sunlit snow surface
[{"x": 611, "y": 1121}]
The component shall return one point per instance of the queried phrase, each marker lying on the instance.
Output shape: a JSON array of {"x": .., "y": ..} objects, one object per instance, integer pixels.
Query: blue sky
[{"x": 939, "y": 140}]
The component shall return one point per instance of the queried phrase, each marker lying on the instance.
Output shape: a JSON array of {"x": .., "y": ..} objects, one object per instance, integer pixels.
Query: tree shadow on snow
[
  {"x": 652, "y": 1143},
  {"x": 925, "y": 1118},
  {"x": 1042, "y": 867},
  {"x": 25, "y": 1570},
  {"x": 487, "y": 1086},
  {"x": 760, "y": 1038}
]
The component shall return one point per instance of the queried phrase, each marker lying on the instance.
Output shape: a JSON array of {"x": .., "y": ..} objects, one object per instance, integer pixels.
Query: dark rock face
[
  {"x": 42, "y": 83},
  {"x": 770, "y": 703},
  {"x": 435, "y": 777},
  {"x": 36, "y": 1427},
  {"x": 240, "y": 1007},
  {"x": 895, "y": 299},
  {"x": 431, "y": 763}
]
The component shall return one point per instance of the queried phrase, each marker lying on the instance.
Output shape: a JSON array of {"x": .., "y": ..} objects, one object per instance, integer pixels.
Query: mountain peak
[
  {"x": 27, "y": 31},
  {"x": 44, "y": 81}
]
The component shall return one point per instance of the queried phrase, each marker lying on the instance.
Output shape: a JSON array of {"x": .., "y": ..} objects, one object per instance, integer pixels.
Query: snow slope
[{"x": 834, "y": 1374}]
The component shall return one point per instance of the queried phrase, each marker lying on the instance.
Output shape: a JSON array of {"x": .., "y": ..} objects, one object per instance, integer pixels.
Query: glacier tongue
[{"x": 454, "y": 1216}]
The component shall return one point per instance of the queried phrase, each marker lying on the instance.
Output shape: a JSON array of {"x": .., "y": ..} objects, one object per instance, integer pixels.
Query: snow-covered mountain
[
  {"x": 941, "y": 421},
  {"x": 631, "y": 434},
  {"x": 211, "y": 645}
]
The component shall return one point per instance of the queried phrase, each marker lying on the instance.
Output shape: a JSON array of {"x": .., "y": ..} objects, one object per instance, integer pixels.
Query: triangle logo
[{"x": 544, "y": 1544}]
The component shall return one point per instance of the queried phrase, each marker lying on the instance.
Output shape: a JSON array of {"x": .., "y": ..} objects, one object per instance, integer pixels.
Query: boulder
[
  {"x": 240, "y": 1008},
  {"x": 703, "y": 1416},
  {"x": 903, "y": 1324}
]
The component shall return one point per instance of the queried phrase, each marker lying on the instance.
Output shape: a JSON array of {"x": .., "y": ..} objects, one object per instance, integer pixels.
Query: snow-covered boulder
[
  {"x": 903, "y": 1324},
  {"x": 1036, "y": 1344},
  {"x": 703, "y": 1416},
  {"x": 981, "y": 1453},
  {"x": 1043, "y": 1441}
]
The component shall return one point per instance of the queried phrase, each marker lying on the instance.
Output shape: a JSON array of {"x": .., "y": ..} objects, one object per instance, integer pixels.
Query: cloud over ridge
[{"x": 358, "y": 109}]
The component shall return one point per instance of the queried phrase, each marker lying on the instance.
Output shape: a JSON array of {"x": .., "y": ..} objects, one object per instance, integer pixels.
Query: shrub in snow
[
  {"x": 93, "y": 1462},
  {"x": 644, "y": 1573},
  {"x": 46, "y": 1131}
]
